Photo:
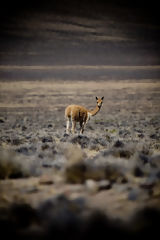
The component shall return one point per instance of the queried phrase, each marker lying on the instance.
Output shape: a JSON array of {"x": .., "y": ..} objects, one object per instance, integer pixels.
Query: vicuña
[{"x": 76, "y": 113}]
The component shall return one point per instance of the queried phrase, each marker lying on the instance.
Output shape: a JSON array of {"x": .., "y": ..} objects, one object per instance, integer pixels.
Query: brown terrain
[{"x": 54, "y": 184}]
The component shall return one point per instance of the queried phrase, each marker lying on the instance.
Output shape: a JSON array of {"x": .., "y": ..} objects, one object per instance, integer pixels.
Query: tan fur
[{"x": 80, "y": 114}]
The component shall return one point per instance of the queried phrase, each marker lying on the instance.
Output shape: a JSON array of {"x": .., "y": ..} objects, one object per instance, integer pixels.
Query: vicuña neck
[{"x": 94, "y": 111}]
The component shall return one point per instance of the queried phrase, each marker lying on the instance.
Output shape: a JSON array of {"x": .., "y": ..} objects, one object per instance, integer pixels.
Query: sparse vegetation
[
  {"x": 10, "y": 166},
  {"x": 113, "y": 167}
]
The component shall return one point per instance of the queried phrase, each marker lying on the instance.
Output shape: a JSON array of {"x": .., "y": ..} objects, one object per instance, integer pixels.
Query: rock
[
  {"x": 119, "y": 144},
  {"x": 33, "y": 148},
  {"x": 157, "y": 146},
  {"x": 133, "y": 194},
  {"x": 137, "y": 194},
  {"x": 125, "y": 153},
  {"x": 66, "y": 138},
  {"x": 24, "y": 128},
  {"x": 108, "y": 138},
  {"x": 141, "y": 135},
  {"x": 147, "y": 185},
  {"x": 48, "y": 164},
  {"x": 66, "y": 135},
  {"x": 155, "y": 161},
  {"x": 23, "y": 150},
  {"x": 104, "y": 185},
  {"x": 6, "y": 139},
  {"x": 47, "y": 139},
  {"x": 50, "y": 125},
  {"x": 2, "y": 120},
  {"x": 26, "y": 150},
  {"x": 17, "y": 141},
  {"x": 44, "y": 147},
  {"x": 40, "y": 155},
  {"x": 154, "y": 136},
  {"x": 91, "y": 186},
  {"x": 137, "y": 171},
  {"x": 143, "y": 158},
  {"x": 118, "y": 153}
]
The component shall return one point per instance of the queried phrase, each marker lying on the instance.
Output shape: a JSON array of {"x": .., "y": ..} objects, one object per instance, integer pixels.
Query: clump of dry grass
[
  {"x": 79, "y": 168},
  {"x": 116, "y": 164},
  {"x": 73, "y": 153},
  {"x": 75, "y": 166},
  {"x": 11, "y": 166}
]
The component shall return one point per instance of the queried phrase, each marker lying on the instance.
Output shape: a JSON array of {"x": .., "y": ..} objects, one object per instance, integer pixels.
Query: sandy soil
[{"x": 33, "y": 125}]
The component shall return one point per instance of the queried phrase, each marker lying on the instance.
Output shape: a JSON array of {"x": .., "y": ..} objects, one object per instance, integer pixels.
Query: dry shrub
[
  {"x": 75, "y": 166},
  {"x": 11, "y": 166},
  {"x": 76, "y": 173},
  {"x": 79, "y": 168},
  {"x": 73, "y": 153}
]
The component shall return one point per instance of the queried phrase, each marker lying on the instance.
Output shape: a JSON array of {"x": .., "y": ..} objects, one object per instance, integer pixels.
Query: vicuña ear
[
  {"x": 96, "y": 98},
  {"x": 102, "y": 98}
]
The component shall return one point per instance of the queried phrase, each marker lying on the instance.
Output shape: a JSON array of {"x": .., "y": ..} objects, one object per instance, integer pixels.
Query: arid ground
[
  {"x": 113, "y": 167},
  {"x": 106, "y": 181}
]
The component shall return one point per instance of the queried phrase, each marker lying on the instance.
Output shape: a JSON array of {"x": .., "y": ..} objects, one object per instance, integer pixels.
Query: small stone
[
  {"x": 104, "y": 185},
  {"x": 23, "y": 150},
  {"x": 125, "y": 153},
  {"x": 66, "y": 135},
  {"x": 154, "y": 136},
  {"x": 47, "y": 139},
  {"x": 17, "y": 141},
  {"x": 91, "y": 186},
  {"x": 138, "y": 172},
  {"x": 108, "y": 138},
  {"x": 147, "y": 185},
  {"x": 44, "y": 147},
  {"x": 144, "y": 158},
  {"x": 118, "y": 144},
  {"x": 141, "y": 135},
  {"x": 133, "y": 194},
  {"x": 47, "y": 165},
  {"x": 24, "y": 128},
  {"x": 1, "y": 120}
]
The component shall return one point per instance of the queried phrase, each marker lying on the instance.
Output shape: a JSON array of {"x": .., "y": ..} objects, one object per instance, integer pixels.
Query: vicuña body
[{"x": 76, "y": 113}]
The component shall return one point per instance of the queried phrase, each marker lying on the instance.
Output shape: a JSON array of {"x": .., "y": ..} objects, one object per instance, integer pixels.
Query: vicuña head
[{"x": 76, "y": 113}]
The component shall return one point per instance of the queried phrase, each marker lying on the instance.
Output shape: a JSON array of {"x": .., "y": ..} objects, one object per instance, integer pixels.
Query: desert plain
[
  {"x": 113, "y": 167},
  {"x": 54, "y": 184}
]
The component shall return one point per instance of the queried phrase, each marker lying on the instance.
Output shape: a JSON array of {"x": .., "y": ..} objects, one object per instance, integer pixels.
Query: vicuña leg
[
  {"x": 73, "y": 126},
  {"x": 82, "y": 124},
  {"x": 67, "y": 125}
]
